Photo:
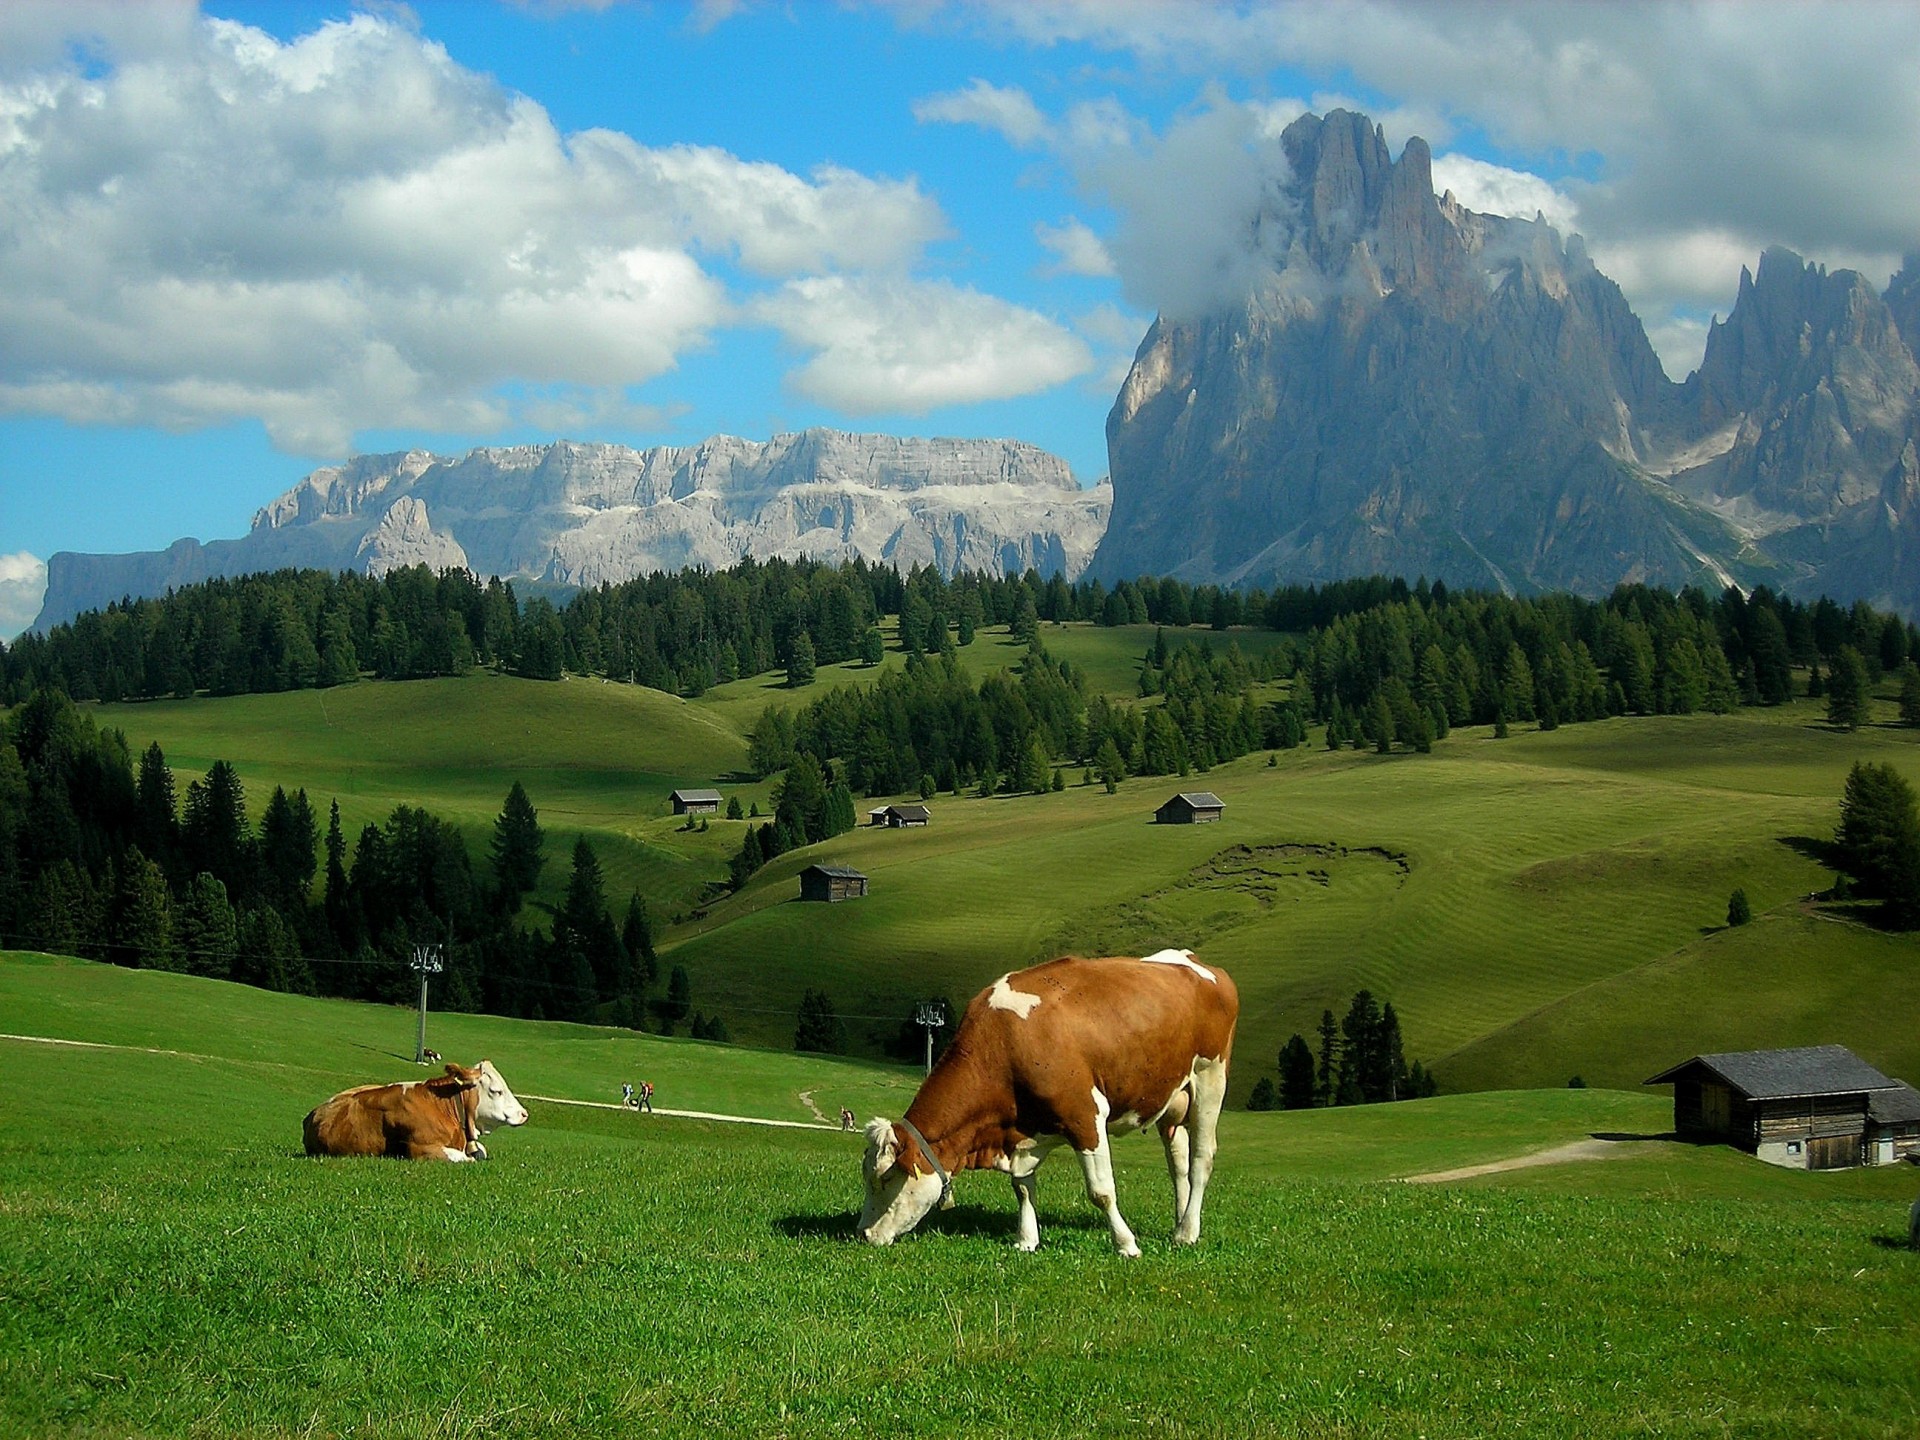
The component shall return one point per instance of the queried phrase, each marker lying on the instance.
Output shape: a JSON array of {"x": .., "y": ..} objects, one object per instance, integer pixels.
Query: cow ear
[
  {"x": 884, "y": 1145},
  {"x": 467, "y": 1078}
]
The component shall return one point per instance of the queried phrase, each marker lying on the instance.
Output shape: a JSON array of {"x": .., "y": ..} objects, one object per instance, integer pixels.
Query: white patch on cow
[
  {"x": 1179, "y": 957},
  {"x": 1004, "y": 997},
  {"x": 498, "y": 1105},
  {"x": 453, "y": 1154},
  {"x": 895, "y": 1201}
]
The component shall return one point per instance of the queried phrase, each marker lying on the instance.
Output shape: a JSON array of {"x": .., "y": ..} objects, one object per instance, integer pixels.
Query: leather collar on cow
[{"x": 946, "y": 1181}]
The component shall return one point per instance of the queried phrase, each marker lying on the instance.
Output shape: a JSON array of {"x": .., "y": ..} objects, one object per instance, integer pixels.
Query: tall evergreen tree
[
  {"x": 1297, "y": 1082},
  {"x": 818, "y": 1027},
  {"x": 636, "y": 934},
  {"x": 1878, "y": 842},
  {"x": 1848, "y": 690},
  {"x": 518, "y": 849},
  {"x": 1325, "y": 1073}
]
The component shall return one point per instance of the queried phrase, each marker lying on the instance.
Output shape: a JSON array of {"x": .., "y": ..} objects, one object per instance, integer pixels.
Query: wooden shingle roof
[
  {"x": 1784, "y": 1074},
  {"x": 1201, "y": 799},
  {"x": 838, "y": 872}
]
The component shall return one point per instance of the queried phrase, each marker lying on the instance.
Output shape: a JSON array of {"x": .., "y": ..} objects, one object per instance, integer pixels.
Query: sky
[{"x": 239, "y": 241}]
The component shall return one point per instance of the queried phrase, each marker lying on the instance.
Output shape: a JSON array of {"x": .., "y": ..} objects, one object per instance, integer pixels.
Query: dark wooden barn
[
  {"x": 1819, "y": 1107},
  {"x": 696, "y": 802},
  {"x": 1191, "y": 807},
  {"x": 898, "y": 816},
  {"x": 832, "y": 882}
]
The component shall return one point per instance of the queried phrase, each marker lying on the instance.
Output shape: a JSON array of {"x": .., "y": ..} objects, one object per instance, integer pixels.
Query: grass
[{"x": 171, "y": 1266}]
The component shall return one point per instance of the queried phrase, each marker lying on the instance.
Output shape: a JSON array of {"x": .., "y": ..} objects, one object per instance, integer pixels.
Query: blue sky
[{"x": 240, "y": 241}]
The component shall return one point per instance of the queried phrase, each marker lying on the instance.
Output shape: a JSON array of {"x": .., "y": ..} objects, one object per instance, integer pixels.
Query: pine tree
[
  {"x": 679, "y": 999},
  {"x": 1739, "y": 911},
  {"x": 1878, "y": 842},
  {"x": 206, "y": 928},
  {"x": 518, "y": 842},
  {"x": 1324, "y": 1074},
  {"x": 818, "y": 1027},
  {"x": 1848, "y": 690},
  {"x": 801, "y": 664},
  {"x": 1297, "y": 1083},
  {"x": 1910, "y": 694},
  {"x": 636, "y": 934}
]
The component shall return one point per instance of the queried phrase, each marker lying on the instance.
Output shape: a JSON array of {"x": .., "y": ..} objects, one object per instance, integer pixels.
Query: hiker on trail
[
  {"x": 626, "y": 1095},
  {"x": 846, "y": 1118},
  {"x": 646, "y": 1096}
]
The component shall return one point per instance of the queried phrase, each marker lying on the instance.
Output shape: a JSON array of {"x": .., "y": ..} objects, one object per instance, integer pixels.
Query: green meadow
[
  {"x": 1536, "y": 908},
  {"x": 172, "y": 1265}
]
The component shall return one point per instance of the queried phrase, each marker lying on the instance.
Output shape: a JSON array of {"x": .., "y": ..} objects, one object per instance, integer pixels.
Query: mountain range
[
  {"x": 578, "y": 515},
  {"x": 1409, "y": 387},
  {"x": 1404, "y": 386}
]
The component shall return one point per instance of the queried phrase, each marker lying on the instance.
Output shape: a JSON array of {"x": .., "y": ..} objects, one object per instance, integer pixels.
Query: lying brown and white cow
[
  {"x": 438, "y": 1119},
  {"x": 1066, "y": 1053}
]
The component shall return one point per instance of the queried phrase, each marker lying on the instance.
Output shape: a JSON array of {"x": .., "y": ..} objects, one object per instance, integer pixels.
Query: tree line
[{"x": 101, "y": 857}]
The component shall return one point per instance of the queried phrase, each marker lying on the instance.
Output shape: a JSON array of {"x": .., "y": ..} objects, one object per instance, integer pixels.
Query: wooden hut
[
  {"x": 831, "y": 883},
  {"x": 696, "y": 802},
  {"x": 1811, "y": 1108},
  {"x": 896, "y": 817},
  {"x": 1191, "y": 807}
]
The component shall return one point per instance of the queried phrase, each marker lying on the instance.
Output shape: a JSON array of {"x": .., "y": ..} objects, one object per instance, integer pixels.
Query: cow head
[
  {"x": 901, "y": 1185},
  {"x": 497, "y": 1104}
]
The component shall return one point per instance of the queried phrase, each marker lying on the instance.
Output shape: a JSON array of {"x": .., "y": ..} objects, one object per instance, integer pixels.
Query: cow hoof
[
  {"x": 1130, "y": 1252},
  {"x": 1027, "y": 1247}
]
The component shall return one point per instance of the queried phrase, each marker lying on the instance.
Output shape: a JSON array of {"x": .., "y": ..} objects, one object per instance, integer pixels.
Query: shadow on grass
[
  {"x": 1627, "y": 1135},
  {"x": 1892, "y": 1242},
  {"x": 1811, "y": 847},
  {"x": 378, "y": 1050},
  {"x": 973, "y": 1220}
]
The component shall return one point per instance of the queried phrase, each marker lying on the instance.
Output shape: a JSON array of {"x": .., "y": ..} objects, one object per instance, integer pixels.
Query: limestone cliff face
[
  {"x": 580, "y": 514},
  {"x": 1414, "y": 388}
]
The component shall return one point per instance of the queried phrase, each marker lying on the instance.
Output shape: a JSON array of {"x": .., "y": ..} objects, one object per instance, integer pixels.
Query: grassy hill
[
  {"x": 170, "y": 1265},
  {"x": 1535, "y": 908}
]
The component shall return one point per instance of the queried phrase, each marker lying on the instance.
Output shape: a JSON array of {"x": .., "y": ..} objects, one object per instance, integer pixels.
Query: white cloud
[
  {"x": 349, "y": 230},
  {"x": 1080, "y": 251},
  {"x": 891, "y": 346},
  {"x": 1496, "y": 190},
  {"x": 23, "y": 585},
  {"x": 1006, "y": 110},
  {"x": 1189, "y": 204}
]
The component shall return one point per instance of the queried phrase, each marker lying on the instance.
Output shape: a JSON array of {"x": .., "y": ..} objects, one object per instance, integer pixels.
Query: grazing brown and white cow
[
  {"x": 1067, "y": 1053},
  {"x": 438, "y": 1119}
]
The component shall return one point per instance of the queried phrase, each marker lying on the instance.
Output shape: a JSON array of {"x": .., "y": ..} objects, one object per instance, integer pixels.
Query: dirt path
[{"x": 1578, "y": 1150}]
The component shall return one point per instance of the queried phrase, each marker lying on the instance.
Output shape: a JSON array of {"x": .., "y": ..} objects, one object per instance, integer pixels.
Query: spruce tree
[
  {"x": 518, "y": 843},
  {"x": 1324, "y": 1074},
  {"x": 1848, "y": 690},
  {"x": 1297, "y": 1083},
  {"x": 801, "y": 664}
]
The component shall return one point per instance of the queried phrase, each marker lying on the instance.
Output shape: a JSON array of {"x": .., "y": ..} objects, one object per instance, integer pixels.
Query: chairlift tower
[
  {"x": 930, "y": 1015},
  {"x": 427, "y": 962}
]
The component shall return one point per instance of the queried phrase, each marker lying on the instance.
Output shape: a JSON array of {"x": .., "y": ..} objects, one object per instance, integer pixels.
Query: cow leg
[
  {"x": 1029, "y": 1218},
  {"x": 1179, "y": 1142},
  {"x": 1097, "y": 1163},
  {"x": 1203, "y": 1118}
]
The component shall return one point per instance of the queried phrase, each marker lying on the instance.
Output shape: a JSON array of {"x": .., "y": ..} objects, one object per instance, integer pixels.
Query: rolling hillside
[{"x": 1535, "y": 908}]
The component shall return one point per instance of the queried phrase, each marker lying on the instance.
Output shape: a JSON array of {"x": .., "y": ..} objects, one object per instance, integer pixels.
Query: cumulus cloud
[
  {"x": 1079, "y": 250},
  {"x": 23, "y": 584},
  {"x": 889, "y": 346},
  {"x": 1495, "y": 190},
  {"x": 349, "y": 230},
  {"x": 1005, "y": 109}
]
